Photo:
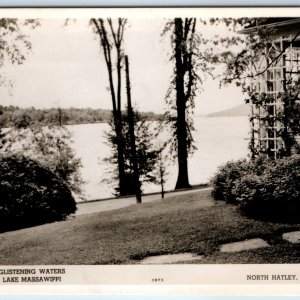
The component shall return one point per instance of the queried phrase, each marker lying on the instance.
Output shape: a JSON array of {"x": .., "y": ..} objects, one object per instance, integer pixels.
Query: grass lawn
[{"x": 188, "y": 223}]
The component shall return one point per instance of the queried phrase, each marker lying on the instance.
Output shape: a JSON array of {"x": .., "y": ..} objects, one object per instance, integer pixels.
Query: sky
[{"x": 66, "y": 68}]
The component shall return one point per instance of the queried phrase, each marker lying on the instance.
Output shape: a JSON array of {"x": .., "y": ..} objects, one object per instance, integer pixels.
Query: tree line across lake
[{"x": 12, "y": 115}]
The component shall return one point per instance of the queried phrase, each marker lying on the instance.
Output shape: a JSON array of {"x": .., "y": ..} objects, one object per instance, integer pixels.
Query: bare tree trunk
[
  {"x": 134, "y": 162},
  {"x": 120, "y": 150},
  {"x": 162, "y": 191}
]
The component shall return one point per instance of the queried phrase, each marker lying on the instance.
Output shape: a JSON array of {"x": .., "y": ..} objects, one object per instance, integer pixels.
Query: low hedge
[
  {"x": 262, "y": 188},
  {"x": 30, "y": 194}
]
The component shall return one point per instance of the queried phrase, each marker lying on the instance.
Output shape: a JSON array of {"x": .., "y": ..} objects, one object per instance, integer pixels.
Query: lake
[{"x": 218, "y": 139}]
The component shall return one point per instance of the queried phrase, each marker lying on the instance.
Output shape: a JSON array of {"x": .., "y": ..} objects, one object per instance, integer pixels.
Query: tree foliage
[
  {"x": 14, "y": 46},
  {"x": 14, "y": 43},
  {"x": 146, "y": 152},
  {"x": 50, "y": 146}
]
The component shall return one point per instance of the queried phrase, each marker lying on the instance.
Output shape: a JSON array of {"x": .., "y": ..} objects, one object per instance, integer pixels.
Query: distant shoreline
[{"x": 12, "y": 115}]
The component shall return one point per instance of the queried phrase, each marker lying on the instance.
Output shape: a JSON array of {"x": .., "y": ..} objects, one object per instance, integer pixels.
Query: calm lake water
[{"x": 218, "y": 140}]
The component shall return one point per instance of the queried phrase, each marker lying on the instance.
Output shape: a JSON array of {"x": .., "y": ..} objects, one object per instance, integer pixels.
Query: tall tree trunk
[
  {"x": 119, "y": 129},
  {"x": 120, "y": 150},
  {"x": 181, "y": 131},
  {"x": 116, "y": 100},
  {"x": 134, "y": 162},
  {"x": 119, "y": 124}
]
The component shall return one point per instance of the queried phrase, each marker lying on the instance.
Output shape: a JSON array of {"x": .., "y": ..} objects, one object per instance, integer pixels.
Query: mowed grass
[{"x": 187, "y": 223}]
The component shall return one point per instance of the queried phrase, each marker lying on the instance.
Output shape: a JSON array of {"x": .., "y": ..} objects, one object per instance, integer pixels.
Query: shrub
[
  {"x": 30, "y": 194},
  {"x": 228, "y": 174},
  {"x": 264, "y": 188},
  {"x": 275, "y": 194},
  {"x": 224, "y": 180}
]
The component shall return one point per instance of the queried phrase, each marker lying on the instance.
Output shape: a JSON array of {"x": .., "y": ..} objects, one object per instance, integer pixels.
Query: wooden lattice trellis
[{"x": 279, "y": 65}]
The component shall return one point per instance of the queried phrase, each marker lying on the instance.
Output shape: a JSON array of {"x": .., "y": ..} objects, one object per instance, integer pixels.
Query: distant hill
[{"x": 241, "y": 110}]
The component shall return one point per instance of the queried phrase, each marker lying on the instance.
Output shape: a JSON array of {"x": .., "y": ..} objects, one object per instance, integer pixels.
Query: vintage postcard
[{"x": 152, "y": 150}]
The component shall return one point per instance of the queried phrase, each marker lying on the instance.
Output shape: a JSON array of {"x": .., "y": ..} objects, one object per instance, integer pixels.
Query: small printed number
[{"x": 157, "y": 280}]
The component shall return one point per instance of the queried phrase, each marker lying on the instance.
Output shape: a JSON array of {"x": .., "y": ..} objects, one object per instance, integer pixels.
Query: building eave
[{"x": 254, "y": 29}]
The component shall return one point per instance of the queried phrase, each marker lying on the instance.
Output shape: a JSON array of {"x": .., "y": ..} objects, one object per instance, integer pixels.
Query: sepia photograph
[{"x": 149, "y": 137}]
